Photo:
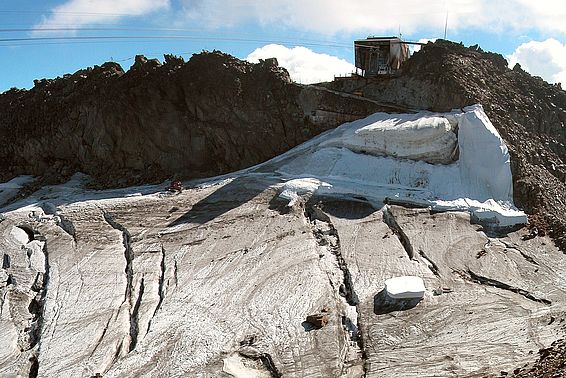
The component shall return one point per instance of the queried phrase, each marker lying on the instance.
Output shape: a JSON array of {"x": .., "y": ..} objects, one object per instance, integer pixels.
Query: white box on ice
[{"x": 405, "y": 287}]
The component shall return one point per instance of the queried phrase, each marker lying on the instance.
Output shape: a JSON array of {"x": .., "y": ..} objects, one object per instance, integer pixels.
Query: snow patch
[
  {"x": 19, "y": 235},
  {"x": 9, "y": 189},
  {"x": 294, "y": 189},
  {"x": 214, "y": 182},
  {"x": 234, "y": 366}
]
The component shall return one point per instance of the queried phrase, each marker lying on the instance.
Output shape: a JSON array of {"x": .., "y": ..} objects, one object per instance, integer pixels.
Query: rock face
[{"x": 212, "y": 115}]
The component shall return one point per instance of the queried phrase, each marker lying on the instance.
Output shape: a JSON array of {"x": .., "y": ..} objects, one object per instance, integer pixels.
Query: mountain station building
[{"x": 379, "y": 55}]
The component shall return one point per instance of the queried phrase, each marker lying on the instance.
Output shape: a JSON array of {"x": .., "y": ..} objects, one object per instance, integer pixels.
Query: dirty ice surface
[{"x": 449, "y": 161}]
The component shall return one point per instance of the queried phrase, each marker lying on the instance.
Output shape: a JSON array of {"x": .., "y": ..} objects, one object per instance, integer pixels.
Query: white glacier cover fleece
[
  {"x": 430, "y": 138},
  {"x": 405, "y": 287},
  {"x": 389, "y": 156}
]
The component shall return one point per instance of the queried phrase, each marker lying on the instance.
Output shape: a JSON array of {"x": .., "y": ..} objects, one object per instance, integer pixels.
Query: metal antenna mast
[{"x": 445, "y": 24}]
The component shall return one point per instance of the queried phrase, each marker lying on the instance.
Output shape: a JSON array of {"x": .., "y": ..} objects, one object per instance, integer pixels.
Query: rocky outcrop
[
  {"x": 529, "y": 113},
  {"x": 211, "y": 115}
]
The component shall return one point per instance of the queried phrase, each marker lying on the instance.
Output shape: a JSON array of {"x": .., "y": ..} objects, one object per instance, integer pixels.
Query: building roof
[{"x": 377, "y": 39}]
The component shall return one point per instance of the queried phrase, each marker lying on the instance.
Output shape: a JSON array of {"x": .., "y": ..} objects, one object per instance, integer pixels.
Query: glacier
[
  {"x": 219, "y": 279},
  {"x": 454, "y": 161}
]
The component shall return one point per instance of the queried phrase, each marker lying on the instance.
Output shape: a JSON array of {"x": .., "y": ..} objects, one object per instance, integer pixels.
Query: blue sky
[{"x": 63, "y": 36}]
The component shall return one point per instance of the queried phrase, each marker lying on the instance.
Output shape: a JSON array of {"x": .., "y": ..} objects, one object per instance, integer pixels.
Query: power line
[
  {"x": 164, "y": 37},
  {"x": 77, "y": 28},
  {"x": 430, "y": 10},
  {"x": 189, "y": 30},
  {"x": 72, "y": 43},
  {"x": 66, "y": 12},
  {"x": 310, "y": 41}
]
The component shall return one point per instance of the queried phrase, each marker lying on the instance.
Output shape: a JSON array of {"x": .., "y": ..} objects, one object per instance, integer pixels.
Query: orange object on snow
[{"x": 176, "y": 186}]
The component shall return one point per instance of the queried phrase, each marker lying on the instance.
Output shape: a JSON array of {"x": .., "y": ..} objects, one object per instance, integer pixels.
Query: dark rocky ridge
[
  {"x": 211, "y": 115},
  {"x": 529, "y": 113}
]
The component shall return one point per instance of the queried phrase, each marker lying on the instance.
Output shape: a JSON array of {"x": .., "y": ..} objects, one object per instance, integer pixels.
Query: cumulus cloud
[
  {"x": 335, "y": 16},
  {"x": 80, "y": 13},
  {"x": 304, "y": 65},
  {"x": 547, "y": 15},
  {"x": 546, "y": 59},
  {"x": 330, "y": 16},
  {"x": 323, "y": 16}
]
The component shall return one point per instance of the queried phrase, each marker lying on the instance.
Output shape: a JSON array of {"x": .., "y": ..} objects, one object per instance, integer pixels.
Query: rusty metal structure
[{"x": 379, "y": 55}]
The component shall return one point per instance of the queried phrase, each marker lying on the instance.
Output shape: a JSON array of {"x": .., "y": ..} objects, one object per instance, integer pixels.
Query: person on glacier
[{"x": 175, "y": 187}]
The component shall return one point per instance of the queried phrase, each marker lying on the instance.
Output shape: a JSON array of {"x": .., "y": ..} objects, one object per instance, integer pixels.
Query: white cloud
[
  {"x": 80, "y": 13},
  {"x": 546, "y": 59},
  {"x": 330, "y": 16},
  {"x": 323, "y": 16},
  {"x": 547, "y": 15},
  {"x": 304, "y": 65},
  {"x": 386, "y": 16}
]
